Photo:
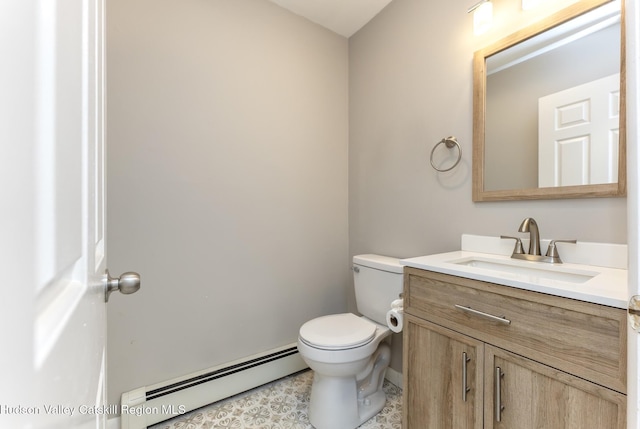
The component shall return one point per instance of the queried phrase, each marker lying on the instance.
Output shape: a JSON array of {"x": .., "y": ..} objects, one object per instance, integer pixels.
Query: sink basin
[
  {"x": 591, "y": 272},
  {"x": 538, "y": 270}
]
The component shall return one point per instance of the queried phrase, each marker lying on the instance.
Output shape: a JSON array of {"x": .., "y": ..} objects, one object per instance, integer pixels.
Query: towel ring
[{"x": 449, "y": 142}]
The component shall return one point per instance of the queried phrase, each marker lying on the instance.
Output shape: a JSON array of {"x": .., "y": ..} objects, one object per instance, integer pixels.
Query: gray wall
[
  {"x": 227, "y": 182},
  {"x": 410, "y": 85}
]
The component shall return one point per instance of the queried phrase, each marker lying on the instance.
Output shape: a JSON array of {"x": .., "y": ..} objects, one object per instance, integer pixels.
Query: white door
[
  {"x": 632, "y": 17},
  {"x": 578, "y": 134},
  {"x": 52, "y": 214}
]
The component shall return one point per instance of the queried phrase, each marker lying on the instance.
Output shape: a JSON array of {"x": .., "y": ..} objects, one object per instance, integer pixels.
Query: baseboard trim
[
  {"x": 394, "y": 377},
  {"x": 113, "y": 423},
  {"x": 147, "y": 405}
]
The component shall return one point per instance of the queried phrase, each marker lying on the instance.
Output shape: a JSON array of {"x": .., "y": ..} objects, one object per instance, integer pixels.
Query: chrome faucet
[{"x": 529, "y": 225}]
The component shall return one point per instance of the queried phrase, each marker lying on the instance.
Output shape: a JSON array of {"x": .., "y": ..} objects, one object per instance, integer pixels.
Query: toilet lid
[{"x": 337, "y": 331}]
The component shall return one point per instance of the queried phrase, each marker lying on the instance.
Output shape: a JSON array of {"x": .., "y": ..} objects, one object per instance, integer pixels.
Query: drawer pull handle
[
  {"x": 483, "y": 314},
  {"x": 465, "y": 389}
]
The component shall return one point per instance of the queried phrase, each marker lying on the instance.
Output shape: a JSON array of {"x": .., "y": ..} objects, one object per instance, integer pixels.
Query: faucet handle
[
  {"x": 518, "y": 249},
  {"x": 552, "y": 250}
]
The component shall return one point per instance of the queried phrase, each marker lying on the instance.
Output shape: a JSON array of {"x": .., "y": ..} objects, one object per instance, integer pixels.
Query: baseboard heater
[{"x": 149, "y": 405}]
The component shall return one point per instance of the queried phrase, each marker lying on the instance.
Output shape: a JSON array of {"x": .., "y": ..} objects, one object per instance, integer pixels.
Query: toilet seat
[{"x": 337, "y": 332}]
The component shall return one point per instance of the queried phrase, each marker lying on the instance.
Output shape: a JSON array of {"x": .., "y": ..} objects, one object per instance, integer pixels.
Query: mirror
[{"x": 549, "y": 116}]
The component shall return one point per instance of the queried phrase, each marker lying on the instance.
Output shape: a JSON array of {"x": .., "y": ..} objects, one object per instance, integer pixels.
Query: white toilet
[{"x": 350, "y": 354}]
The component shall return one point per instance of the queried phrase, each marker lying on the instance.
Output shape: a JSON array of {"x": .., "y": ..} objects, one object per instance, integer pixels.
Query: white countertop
[{"x": 608, "y": 287}]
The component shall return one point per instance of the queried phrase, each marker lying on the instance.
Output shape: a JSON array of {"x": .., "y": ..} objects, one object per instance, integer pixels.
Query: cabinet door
[
  {"x": 438, "y": 362},
  {"x": 533, "y": 395}
]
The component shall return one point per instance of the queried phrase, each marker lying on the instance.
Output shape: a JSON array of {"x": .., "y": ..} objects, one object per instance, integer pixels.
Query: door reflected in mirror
[{"x": 548, "y": 109}]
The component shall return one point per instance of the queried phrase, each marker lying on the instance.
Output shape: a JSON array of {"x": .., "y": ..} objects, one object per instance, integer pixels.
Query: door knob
[
  {"x": 127, "y": 283},
  {"x": 634, "y": 312}
]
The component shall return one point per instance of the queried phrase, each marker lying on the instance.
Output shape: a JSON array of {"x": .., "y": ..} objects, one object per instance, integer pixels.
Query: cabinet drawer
[{"x": 584, "y": 339}]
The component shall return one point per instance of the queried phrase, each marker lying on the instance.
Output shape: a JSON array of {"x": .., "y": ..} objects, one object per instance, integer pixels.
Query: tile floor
[{"x": 279, "y": 405}]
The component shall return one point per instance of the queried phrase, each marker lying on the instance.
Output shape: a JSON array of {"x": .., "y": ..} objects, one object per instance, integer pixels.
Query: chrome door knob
[{"x": 127, "y": 283}]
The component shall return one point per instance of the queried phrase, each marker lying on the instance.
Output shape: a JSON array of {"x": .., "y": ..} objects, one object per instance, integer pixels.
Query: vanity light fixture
[
  {"x": 530, "y": 4},
  {"x": 482, "y": 16}
]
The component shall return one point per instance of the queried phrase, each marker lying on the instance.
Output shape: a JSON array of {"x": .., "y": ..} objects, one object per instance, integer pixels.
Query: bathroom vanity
[{"x": 482, "y": 354}]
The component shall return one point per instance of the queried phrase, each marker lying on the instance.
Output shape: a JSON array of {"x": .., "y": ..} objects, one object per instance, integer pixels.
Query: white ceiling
[{"x": 344, "y": 17}]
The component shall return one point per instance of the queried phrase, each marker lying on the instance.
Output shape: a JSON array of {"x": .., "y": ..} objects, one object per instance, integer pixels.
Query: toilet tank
[{"x": 378, "y": 281}]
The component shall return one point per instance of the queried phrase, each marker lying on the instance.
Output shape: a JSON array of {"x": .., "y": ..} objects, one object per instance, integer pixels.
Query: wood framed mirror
[{"x": 549, "y": 140}]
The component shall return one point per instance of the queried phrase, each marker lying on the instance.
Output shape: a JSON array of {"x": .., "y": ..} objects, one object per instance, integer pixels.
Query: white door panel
[
  {"x": 52, "y": 166},
  {"x": 632, "y": 16},
  {"x": 578, "y": 134},
  {"x": 572, "y": 161}
]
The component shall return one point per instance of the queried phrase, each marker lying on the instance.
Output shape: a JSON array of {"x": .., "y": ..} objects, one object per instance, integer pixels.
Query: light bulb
[{"x": 482, "y": 17}]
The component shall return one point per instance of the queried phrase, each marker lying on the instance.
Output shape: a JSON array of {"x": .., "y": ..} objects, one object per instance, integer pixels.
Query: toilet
[{"x": 349, "y": 354}]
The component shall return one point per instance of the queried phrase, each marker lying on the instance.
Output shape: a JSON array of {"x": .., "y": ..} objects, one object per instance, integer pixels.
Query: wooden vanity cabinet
[{"x": 550, "y": 362}]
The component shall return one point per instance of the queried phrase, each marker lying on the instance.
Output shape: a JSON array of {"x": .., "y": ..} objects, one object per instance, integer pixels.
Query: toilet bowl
[{"x": 349, "y": 354}]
